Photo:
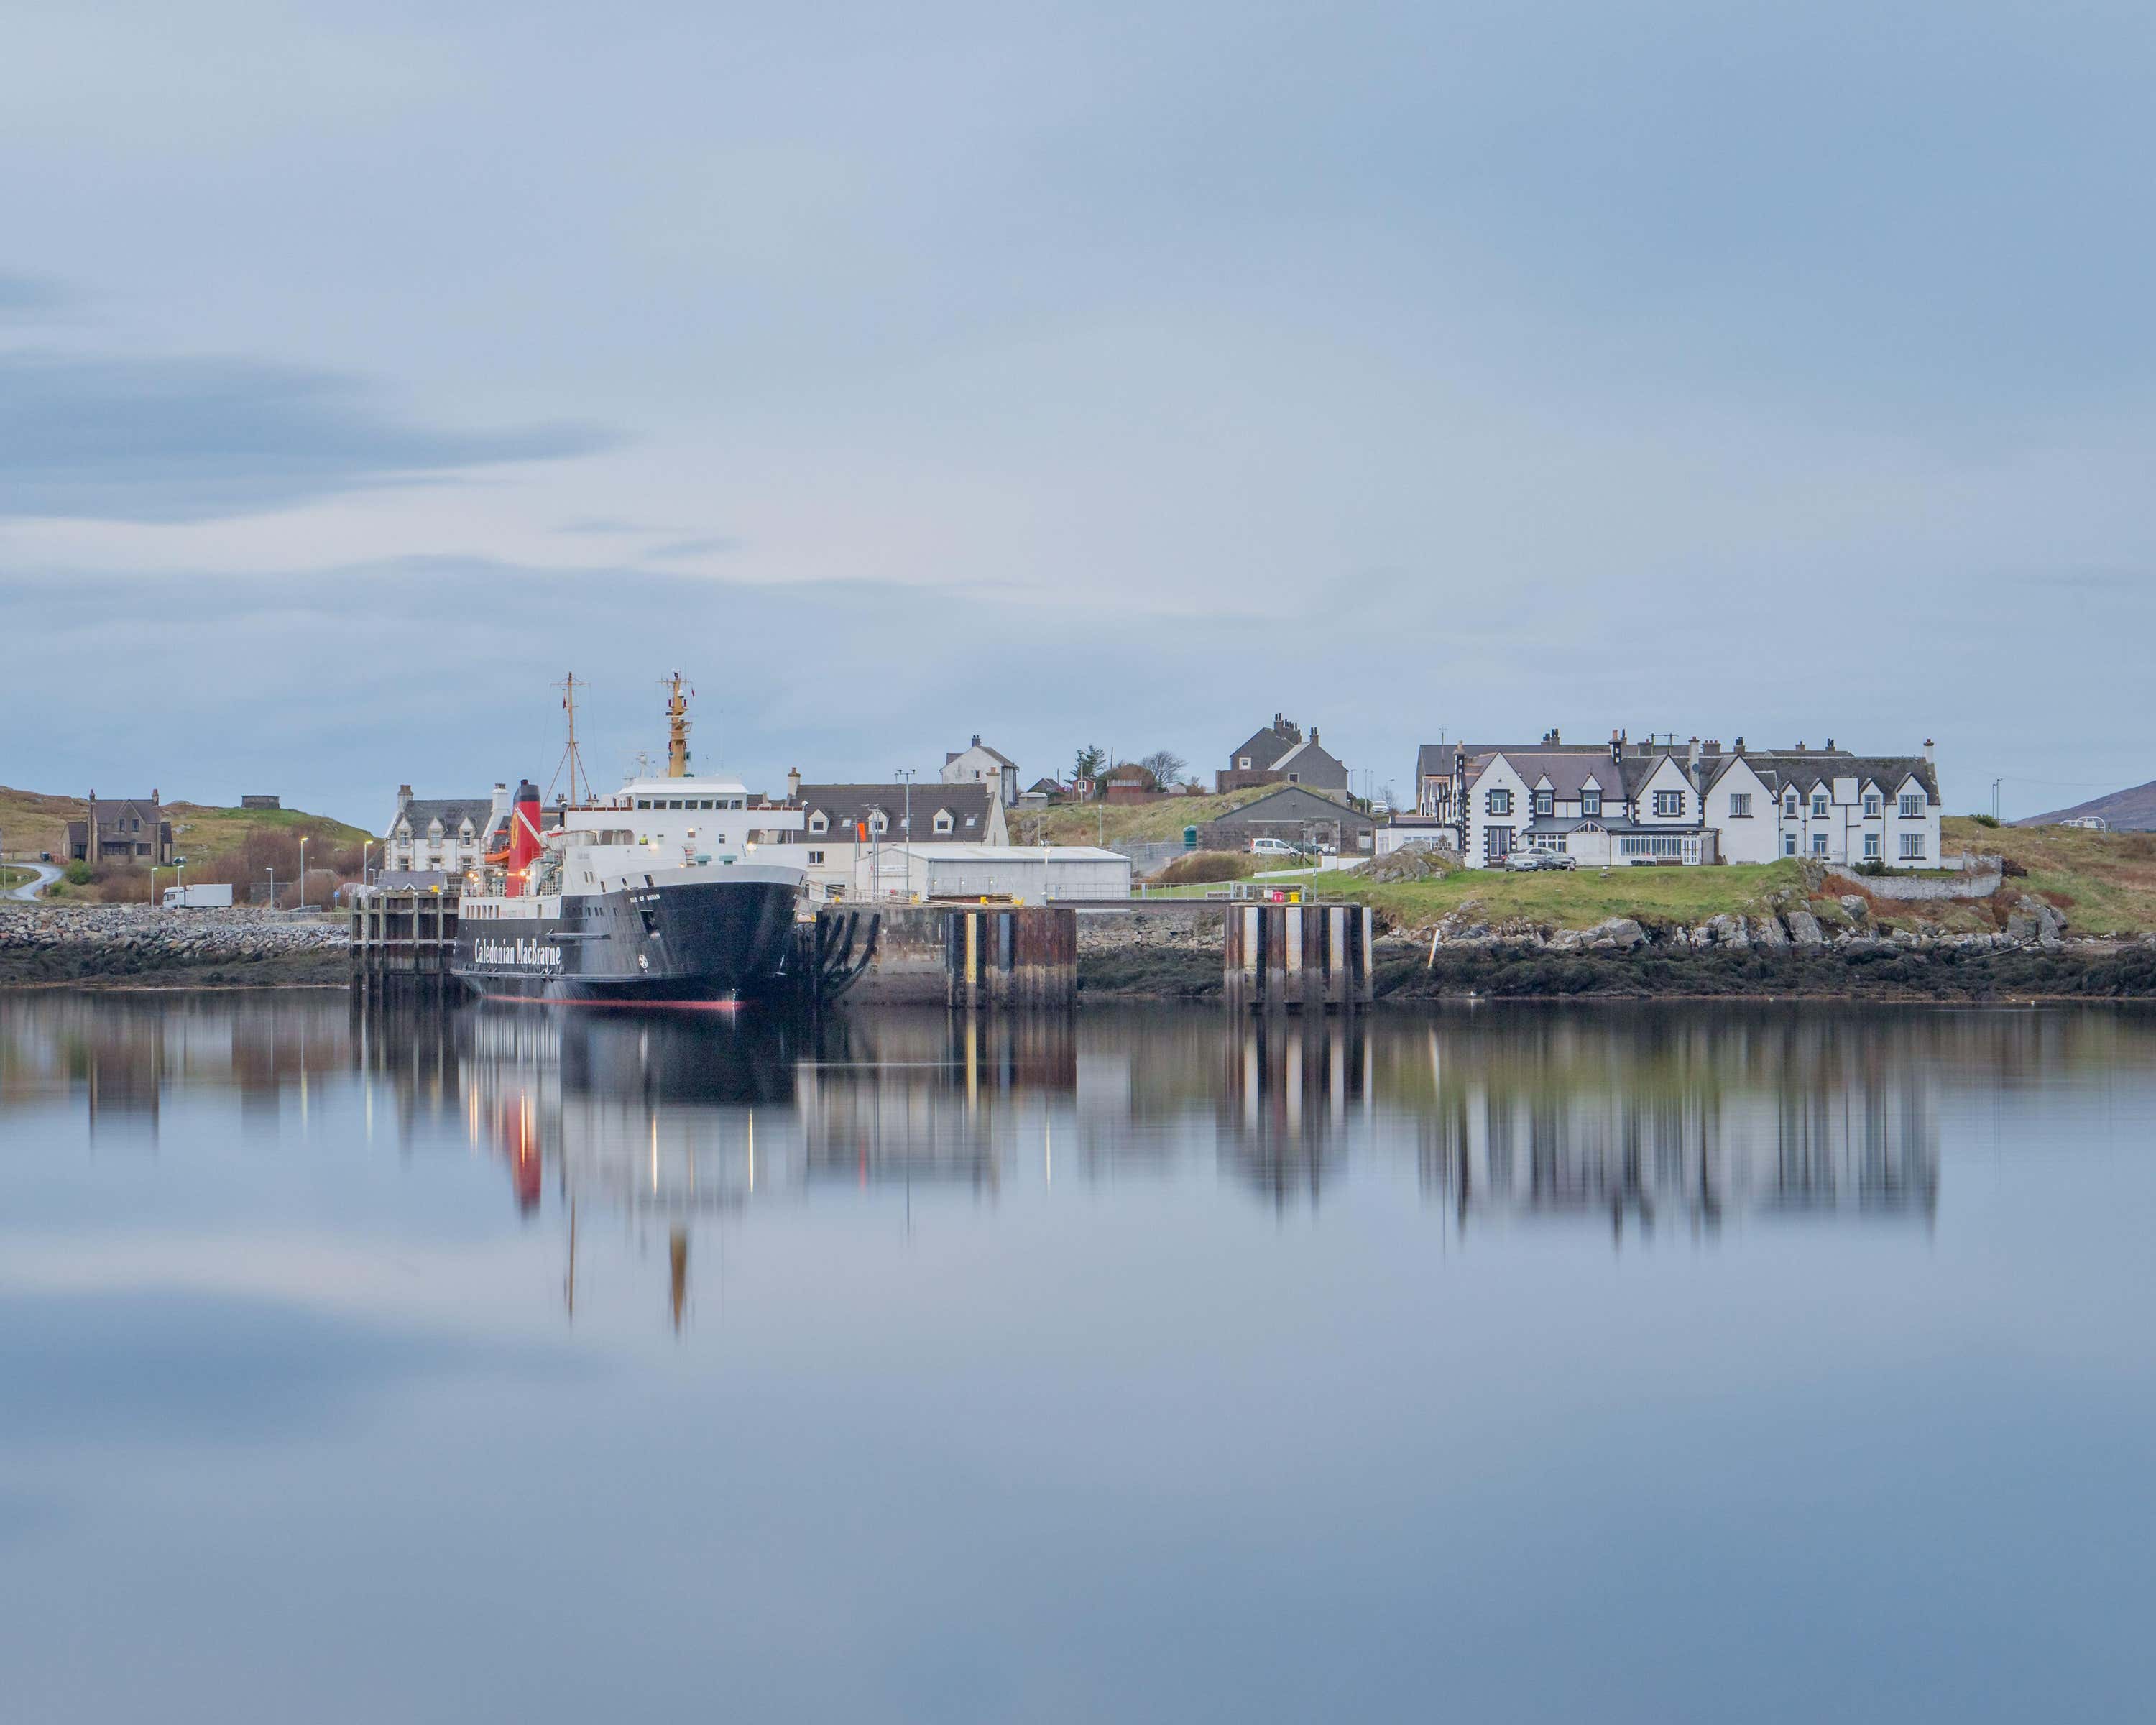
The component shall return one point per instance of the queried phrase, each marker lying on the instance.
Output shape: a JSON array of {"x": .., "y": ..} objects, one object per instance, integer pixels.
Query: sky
[{"x": 1111, "y": 374}]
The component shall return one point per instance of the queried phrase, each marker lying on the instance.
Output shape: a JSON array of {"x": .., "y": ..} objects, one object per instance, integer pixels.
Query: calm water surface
[{"x": 1679, "y": 1363}]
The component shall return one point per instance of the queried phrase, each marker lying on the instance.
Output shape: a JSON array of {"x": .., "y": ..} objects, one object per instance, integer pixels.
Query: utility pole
[
  {"x": 1996, "y": 783},
  {"x": 303, "y": 872}
]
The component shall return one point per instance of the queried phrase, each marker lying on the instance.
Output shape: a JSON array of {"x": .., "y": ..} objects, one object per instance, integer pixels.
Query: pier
[
  {"x": 402, "y": 938},
  {"x": 1296, "y": 958}
]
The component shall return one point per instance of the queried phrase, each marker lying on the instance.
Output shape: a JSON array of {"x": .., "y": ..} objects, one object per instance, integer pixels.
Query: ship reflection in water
[{"x": 926, "y": 1367}]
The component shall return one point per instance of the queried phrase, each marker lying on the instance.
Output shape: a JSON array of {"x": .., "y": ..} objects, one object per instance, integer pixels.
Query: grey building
[
  {"x": 1280, "y": 754},
  {"x": 1294, "y": 814}
]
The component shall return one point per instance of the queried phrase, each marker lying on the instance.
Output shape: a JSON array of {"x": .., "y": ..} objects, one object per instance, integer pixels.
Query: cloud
[
  {"x": 718, "y": 546},
  {"x": 29, "y": 296},
  {"x": 184, "y": 438}
]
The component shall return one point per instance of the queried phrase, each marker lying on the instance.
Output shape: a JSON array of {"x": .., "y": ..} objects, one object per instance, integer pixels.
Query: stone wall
[
  {"x": 44, "y": 942},
  {"x": 1983, "y": 876}
]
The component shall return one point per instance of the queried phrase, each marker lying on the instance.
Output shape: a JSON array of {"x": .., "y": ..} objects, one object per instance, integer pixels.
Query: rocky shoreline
[{"x": 142, "y": 946}]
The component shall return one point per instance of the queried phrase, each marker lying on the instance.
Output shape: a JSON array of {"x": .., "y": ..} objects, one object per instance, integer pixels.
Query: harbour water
[{"x": 1741, "y": 1363}]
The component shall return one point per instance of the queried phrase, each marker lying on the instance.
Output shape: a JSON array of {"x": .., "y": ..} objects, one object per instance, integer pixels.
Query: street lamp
[
  {"x": 906, "y": 849},
  {"x": 270, "y": 870},
  {"x": 365, "y": 845}
]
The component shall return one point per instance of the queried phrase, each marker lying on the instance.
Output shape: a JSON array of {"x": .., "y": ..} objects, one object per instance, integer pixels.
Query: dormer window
[
  {"x": 1590, "y": 802},
  {"x": 1819, "y": 805},
  {"x": 1912, "y": 806},
  {"x": 942, "y": 820},
  {"x": 819, "y": 822},
  {"x": 1871, "y": 805},
  {"x": 1789, "y": 804},
  {"x": 878, "y": 821},
  {"x": 1545, "y": 803}
]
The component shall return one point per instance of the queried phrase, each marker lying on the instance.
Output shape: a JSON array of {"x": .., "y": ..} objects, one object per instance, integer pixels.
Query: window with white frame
[
  {"x": 1545, "y": 803},
  {"x": 1912, "y": 806},
  {"x": 1740, "y": 805},
  {"x": 819, "y": 822},
  {"x": 1652, "y": 845},
  {"x": 1789, "y": 804},
  {"x": 1669, "y": 804},
  {"x": 1243, "y": 764},
  {"x": 1590, "y": 802},
  {"x": 1499, "y": 802},
  {"x": 1871, "y": 846},
  {"x": 815, "y": 858},
  {"x": 942, "y": 822},
  {"x": 1819, "y": 844},
  {"x": 1819, "y": 805},
  {"x": 1789, "y": 843},
  {"x": 878, "y": 821},
  {"x": 1871, "y": 805},
  {"x": 1912, "y": 846}
]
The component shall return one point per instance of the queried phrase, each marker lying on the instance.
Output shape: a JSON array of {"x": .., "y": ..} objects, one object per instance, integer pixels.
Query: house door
[{"x": 1496, "y": 844}]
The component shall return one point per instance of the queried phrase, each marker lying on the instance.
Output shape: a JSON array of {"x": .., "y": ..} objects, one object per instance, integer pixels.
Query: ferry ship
[{"x": 650, "y": 897}]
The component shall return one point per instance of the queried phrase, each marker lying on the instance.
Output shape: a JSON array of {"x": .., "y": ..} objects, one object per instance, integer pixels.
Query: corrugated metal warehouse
[{"x": 1037, "y": 875}]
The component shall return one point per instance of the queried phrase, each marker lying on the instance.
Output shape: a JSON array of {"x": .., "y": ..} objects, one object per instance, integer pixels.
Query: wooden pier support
[
  {"x": 1293, "y": 957},
  {"x": 402, "y": 940}
]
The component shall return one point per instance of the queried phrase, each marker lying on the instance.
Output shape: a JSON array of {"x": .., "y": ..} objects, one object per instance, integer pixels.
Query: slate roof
[
  {"x": 951, "y": 755},
  {"x": 847, "y": 805},
  {"x": 1290, "y": 802},
  {"x": 1887, "y": 771},
  {"x": 1566, "y": 769},
  {"x": 422, "y": 811},
  {"x": 1264, "y": 747}
]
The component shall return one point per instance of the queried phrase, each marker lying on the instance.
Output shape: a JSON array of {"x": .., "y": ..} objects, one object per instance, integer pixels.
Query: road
[{"x": 47, "y": 874}]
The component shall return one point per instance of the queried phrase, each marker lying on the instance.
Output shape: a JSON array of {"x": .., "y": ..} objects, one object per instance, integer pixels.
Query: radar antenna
[{"x": 677, "y": 725}]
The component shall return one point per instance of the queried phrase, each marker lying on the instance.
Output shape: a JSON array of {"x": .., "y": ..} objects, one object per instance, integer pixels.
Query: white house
[
  {"x": 835, "y": 829},
  {"x": 979, "y": 764},
  {"x": 1659, "y": 801},
  {"x": 449, "y": 833}
]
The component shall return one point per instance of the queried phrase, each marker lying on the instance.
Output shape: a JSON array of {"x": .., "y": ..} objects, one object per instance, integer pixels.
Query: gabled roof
[
  {"x": 1568, "y": 770},
  {"x": 422, "y": 811},
  {"x": 1276, "y": 805},
  {"x": 1267, "y": 747},
  {"x": 1890, "y": 773},
  {"x": 846, "y": 805},
  {"x": 951, "y": 755}
]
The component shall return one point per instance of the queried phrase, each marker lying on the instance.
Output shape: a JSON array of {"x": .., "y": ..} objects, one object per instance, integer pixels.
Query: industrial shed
[{"x": 1035, "y": 873}]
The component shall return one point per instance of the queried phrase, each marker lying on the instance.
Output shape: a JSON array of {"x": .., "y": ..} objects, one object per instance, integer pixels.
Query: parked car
[
  {"x": 1527, "y": 861},
  {"x": 1272, "y": 847}
]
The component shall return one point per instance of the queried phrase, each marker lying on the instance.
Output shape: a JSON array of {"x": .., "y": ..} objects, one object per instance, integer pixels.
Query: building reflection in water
[{"x": 1634, "y": 1120}]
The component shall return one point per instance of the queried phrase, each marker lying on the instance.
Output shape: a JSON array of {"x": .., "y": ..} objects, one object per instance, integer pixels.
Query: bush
[
  {"x": 77, "y": 874},
  {"x": 1873, "y": 866},
  {"x": 1985, "y": 820},
  {"x": 1203, "y": 867}
]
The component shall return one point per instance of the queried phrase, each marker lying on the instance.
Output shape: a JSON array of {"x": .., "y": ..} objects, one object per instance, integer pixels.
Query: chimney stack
[
  {"x": 976, "y": 739},
  {"x": 1928, "y": 751},
  {"x": 1692, "y": 755},
  {"x": 154, "y": 798},
  {"x": 404, "y": 797},
  {"x": 793, "y": 784},
  {"x": 1829, "y": 745}
]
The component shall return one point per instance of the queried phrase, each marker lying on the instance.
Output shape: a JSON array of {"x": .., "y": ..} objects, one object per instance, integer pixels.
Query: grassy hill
[
  {"x": 2105, "y": 882},
  {"x": 1161, "y": 818},
  {"x": 32, "y": 821}
]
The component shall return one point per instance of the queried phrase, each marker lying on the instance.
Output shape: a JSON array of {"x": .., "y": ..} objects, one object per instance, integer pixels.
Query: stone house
[
  {"x": 127, "y": 829},
  {"x": 1280, "y": 754},
  {"x": 1295, "y": 814}
]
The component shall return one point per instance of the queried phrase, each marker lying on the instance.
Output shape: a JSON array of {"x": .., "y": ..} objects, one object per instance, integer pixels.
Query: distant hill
[
  {"x": 2132, "y": 811},
  {"x": 33, "y": 821}
]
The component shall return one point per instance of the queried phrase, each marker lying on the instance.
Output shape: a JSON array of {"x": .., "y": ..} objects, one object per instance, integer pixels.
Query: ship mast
[
  {"x": 570, "y": 761},
  {"x": 677, "y": 726}
]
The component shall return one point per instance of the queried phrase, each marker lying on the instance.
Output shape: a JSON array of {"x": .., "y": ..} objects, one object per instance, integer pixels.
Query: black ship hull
[{"x": 675, "y": 944}]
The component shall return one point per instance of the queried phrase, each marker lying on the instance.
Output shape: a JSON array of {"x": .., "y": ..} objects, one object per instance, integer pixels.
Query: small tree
[
  {"x": 1091, "y": 759},
  {"x": 1166, "y": 767}
]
